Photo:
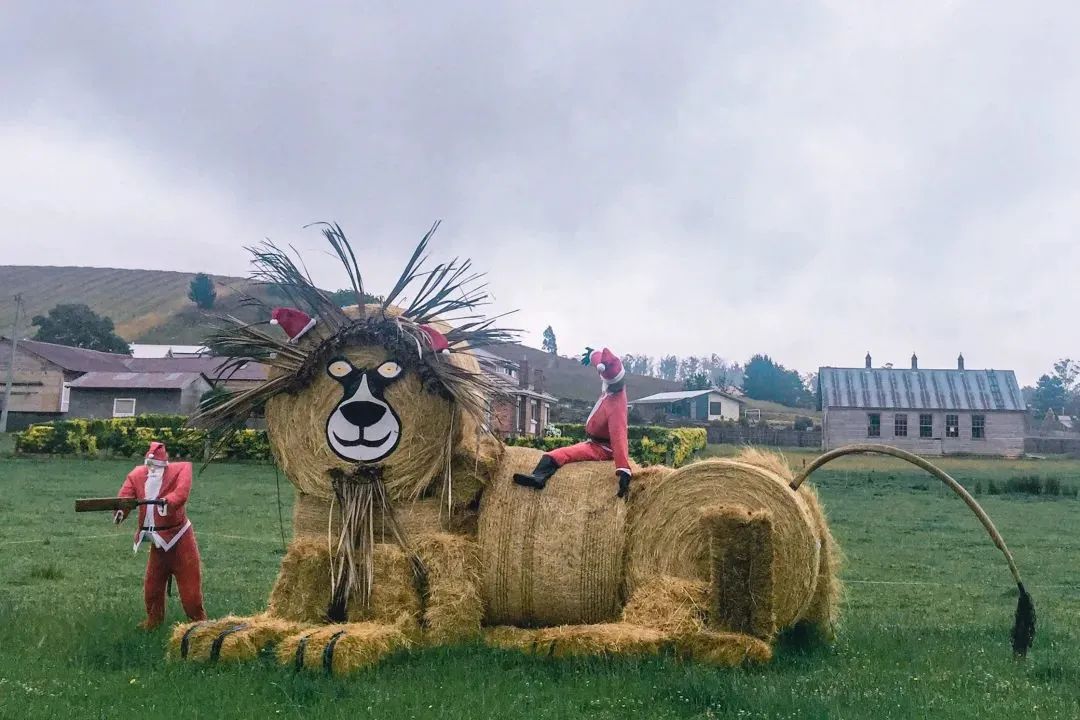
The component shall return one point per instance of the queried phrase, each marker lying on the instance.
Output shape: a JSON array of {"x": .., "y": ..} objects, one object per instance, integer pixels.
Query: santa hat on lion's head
[
  {"x": 157, "y": 455},
  {"x": 606, "y": 363},
  {"x": 438, "y": 341},
  {"x": 294, "y": 322}
]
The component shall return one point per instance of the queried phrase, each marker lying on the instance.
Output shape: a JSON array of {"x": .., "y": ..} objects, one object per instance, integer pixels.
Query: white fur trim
[
  {"x": 273, "y": 321},
  {"x": 159, "y": 541},
  {"x": 601, "y": 367},
  {"x": 625, "y": 470},
  {"x": 311, "y": 324},
  {"x": 620, "y": 376}
]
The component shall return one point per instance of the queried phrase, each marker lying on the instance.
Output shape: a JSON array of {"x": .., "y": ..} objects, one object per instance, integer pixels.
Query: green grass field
[{"x": 929, "y": 605}]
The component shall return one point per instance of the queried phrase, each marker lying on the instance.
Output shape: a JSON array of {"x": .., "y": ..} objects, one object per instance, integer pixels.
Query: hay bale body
[
  {"x": 672, "y": 605},
  {"x": 667, "y": 536},
  {"x": 302, "y": 590},
  {"x": 552, "y": 557}
]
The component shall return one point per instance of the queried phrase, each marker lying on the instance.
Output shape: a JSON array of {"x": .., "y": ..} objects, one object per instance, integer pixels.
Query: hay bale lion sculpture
[{"x": 408, "y": 529}]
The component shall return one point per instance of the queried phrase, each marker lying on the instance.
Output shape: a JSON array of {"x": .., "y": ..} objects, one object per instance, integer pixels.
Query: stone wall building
[{"x": 925, "y": 411}]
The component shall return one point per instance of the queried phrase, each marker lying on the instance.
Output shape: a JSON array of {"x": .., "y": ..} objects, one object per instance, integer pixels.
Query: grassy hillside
[{"x": 147, "y": 305}]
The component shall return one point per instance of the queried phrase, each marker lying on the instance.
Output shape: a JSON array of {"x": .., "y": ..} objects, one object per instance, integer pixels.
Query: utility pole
[{"x": 11, "y": 365}]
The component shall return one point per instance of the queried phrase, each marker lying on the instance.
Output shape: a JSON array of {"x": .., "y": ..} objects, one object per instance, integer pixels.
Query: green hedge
[
  {"x": 129, "y": 437},
  {"x": 649, "y": 445}
]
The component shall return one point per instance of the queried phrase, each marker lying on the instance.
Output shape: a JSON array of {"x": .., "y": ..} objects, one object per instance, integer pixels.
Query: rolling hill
[{"x": 145, "y": 305}]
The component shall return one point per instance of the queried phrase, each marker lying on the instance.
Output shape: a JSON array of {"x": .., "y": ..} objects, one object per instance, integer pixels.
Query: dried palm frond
[{"x": 361, "y": 496}]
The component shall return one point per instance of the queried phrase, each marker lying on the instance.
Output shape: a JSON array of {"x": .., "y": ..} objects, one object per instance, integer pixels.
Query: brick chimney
[
  {"x": 868, "y": 361},
  {"x": 523, "y": 374},
  {"x": 960, "y": 362},
  {"x": 914, "y": 361},
  {"x": 538, "y": 380}
]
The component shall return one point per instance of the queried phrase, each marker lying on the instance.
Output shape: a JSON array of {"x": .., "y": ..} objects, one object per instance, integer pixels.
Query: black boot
[{"x": 539, "y": 477}]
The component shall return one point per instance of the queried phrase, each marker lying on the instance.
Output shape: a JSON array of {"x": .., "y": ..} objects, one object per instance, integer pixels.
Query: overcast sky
[{"x": 810, "y": 180}]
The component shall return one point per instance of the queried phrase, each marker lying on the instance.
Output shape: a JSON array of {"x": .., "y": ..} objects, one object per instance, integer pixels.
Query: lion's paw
[
  {"x": 343, "y": 648},
  {"x": 228, "y": 639}
]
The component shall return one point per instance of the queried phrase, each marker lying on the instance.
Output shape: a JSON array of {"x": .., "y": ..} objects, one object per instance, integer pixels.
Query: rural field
[{"x": 924, "y": 634}]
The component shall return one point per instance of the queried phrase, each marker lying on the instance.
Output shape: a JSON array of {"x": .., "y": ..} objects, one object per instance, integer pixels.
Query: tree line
[
  {"x": 1058, "y": 390},
  {"x": 761, "y": 378}
]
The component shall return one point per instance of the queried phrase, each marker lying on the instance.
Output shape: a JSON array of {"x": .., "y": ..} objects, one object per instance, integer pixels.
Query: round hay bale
[
  {"x": 552, "y": 557},
  {"x": 824, "y": 610},
  {"x": 667, "y": 535}
]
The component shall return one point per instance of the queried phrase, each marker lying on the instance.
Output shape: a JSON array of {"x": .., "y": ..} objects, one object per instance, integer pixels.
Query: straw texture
[
  {"x": 353, "y": 646},
  {"x": 302, "y": 590},
  {"x": 257, "y": 633},
  {"x": 741, "y": 555},
  {"x": 580, "y": 640},
  {"x": 672, "y": 605},
  {"x": 552, "y": 557},
  {"x": 667, "y": 535},
  {"x": 453, "y": 608}
]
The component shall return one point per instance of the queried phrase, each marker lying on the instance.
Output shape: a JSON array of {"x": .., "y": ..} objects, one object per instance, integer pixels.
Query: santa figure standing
[
  {"x": 164, "y": 523},
  {"x": 605, "y": 429}
]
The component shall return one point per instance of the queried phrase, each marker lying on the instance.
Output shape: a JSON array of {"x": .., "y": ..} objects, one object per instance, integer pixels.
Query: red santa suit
[
  {"x": 173, "y": 550},
  {"x": 606, "y": 429}
]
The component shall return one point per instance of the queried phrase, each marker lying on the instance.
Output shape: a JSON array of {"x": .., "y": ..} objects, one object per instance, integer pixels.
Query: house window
[
  {"x": 123, "y": 407},
  {"x": 952, "y": 426},
  {"x": 65, "y": 398},
  {"x": 900, "y": 425},
  {"x": 926, "y": 426},
  {"x": 873, "y": 428},
  {"x": 716, "y": 408},
  {"x": 978, "y": 427}
]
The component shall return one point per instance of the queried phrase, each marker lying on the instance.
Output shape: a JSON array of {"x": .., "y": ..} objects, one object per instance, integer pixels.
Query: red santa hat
[
  {"x": 157, "y": 455},
  {"x": 294, "y": 322},
  {"x": 438, "y": 341},
  {"x": 607, "y": 364}
]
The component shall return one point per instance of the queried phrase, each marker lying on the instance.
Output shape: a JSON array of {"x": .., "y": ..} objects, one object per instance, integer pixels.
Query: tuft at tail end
[{"x": 1023, "y": 632}]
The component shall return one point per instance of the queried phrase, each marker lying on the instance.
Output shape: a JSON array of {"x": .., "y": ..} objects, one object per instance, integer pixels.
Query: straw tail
[{"x": 1023, "y": 632}]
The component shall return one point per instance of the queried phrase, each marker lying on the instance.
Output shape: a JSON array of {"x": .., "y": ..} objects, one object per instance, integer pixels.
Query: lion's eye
[
  {"x": 389, "y": 370},
  {"x": 339, "y": 369}
]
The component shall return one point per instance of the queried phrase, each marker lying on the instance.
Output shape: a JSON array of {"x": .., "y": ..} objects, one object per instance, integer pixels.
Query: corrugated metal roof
[
  {"x": 667, "y": 397},
  {"x": 134, "y": 381},
  {"x": 888, "y": 388},
  {"x": 80, "y": 360},
  {"x": 75, "y": 359},
  {"x": 208, "y": 366}
]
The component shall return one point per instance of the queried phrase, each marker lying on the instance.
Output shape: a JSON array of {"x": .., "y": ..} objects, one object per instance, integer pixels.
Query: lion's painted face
[
  {"x": 363, "y": 427},
  {"x": 364, "y": 406}
]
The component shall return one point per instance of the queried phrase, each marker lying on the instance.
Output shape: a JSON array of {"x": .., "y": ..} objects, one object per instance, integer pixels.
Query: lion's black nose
[{"x": 362, "y": 413}]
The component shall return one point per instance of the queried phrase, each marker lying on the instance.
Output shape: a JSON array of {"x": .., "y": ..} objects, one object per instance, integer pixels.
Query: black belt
[
  {"x": 155, "y": 529},
  {"x": 598, "y": 441}
]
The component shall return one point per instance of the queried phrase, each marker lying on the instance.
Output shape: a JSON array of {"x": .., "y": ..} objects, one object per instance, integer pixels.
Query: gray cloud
[{"x": 805, "y": 180}]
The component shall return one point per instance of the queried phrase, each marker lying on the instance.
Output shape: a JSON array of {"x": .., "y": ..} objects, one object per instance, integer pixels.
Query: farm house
[
  {"x": 925, "y": 411},
  {"x": 700, "y": 405}
]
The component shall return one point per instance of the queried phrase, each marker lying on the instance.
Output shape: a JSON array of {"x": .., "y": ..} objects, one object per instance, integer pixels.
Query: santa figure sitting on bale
[
  {"x": 605, "y": 430},
  {"x": 164, "y": 486}
]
